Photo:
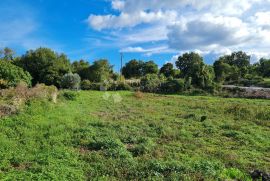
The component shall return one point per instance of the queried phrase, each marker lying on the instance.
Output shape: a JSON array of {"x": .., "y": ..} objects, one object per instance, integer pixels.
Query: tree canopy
[{"x": 45, "y": 66}]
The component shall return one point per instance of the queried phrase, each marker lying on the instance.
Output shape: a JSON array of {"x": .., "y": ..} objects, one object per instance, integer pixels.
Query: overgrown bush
[
  {"x": 15, "y": 97},
  {"x": 151, "y": 83},
  {"x": 69, "y": 95},
  {"x": 11, "y": 75},
  {"x": 86, "y": 85},
  {"x": 116, "y": 86},
  {"x": 172, "y": 86},
  {"x": 71, "y": 81}
]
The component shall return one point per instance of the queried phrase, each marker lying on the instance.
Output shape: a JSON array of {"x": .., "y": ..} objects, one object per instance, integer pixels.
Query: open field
[{"x": 116, "y": 135}]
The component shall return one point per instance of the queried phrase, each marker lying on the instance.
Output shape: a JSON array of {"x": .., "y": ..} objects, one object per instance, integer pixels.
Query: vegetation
[
  {"x": 71, "y": 81},
  {"x": 11, "y": 75},
  {"x": 90, "y": 135},
  {"x": 127, "y": 136},
  {"x": 45, "y": 66}
]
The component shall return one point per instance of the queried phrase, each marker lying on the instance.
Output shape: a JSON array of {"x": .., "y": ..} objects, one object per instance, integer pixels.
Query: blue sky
[{"x": 143, "y": 29}]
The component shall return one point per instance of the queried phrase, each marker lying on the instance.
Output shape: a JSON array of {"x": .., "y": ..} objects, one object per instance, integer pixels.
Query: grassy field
[{"x": 118, "y": 136}]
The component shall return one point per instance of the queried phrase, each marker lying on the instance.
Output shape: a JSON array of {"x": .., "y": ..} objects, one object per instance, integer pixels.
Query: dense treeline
[{"x": 43, "y": 65}]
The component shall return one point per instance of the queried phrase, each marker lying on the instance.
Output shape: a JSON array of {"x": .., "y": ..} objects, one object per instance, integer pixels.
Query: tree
[
  {"x": 101, "y": 70},
  {"x": 264, "y": 67},
  {"x": 81, "y": 68},
  {"x": 149, "y": 68},
  {"x": 238, "y": 59},
  {"x": 133, "y": 69},
  {"x": 45, "y": 66},
  {"x": 191, "y": 66},
  {"x": 7, "y": 54},
  {"x": 71, "y": 81},
  {"x": 222, "y": 71},
  {"x": 167, "y": 70},
  {"x": 13, "y": 74}
]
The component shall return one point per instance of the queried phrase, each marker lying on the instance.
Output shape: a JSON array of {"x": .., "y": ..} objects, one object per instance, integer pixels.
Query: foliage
[
  {"x": 80, "y": 67},
  {"x": 149, "y": 67},
  {"x": 7, "y": 54},
  {"x": 69, "y": 95},
  {"x": 71, "y": 81},
  {"x": 100, "y": 71},
  {"x": 86, "y": 85},
  {"x": 15, "y": 97},
  {"x": 167, "y": 70},
  {"x": 138, "y": 69},
  {"x": 151, "y": 83},
  {"x": 45, "y": 66},
  {"x": 232, "y": 67},
  {"x": 11, "y": 75},
  {"x": 133, "y": 69},
  {"x": 191, "y": 66},
  {"x": 173, "y": 86},
  {"x": 119, "y": 86},
  {"x": 264, "y": 67}
]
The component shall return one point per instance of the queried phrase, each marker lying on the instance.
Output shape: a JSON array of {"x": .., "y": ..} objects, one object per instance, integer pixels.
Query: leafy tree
[
  {"x": 222, "y": 71},
  {"x": 71, "y": 81},
  {"x": 133, "y": 69},
  {"x": 101, "y": 70},
  {"x": 149, "y": 68},
  {"x": 45, "y": 66},
  {"x": 13, "y": 74},
  {"x": 264, "y": 67},
  {"x": 7, "y": 54},
  {"x": 167, "y": 70},
  {"x": 240, "y": 60},
  {"x": 80, "y": 67},
  {"x": 191, "y": 66}
]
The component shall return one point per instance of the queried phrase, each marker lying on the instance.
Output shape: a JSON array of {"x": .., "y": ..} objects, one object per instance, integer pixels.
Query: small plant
[{"x": 71, "y": 96}]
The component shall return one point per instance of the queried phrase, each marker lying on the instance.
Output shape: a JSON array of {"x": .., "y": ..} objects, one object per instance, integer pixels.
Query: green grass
[{"x": 117, "y": 136}]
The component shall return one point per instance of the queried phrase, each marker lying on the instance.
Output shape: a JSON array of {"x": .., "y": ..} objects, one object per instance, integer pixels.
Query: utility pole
[{"x": 121, "y": 73}]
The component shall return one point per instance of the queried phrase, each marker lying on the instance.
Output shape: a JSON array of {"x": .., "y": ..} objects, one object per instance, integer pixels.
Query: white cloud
[
  {"x": 208, "y": 27},
  {"x": 147, "y": 51},
  {"x": 129, "y": 20}
]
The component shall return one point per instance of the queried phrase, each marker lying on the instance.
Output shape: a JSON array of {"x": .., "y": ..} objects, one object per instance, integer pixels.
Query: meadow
[{"x": 91, "y": 135}]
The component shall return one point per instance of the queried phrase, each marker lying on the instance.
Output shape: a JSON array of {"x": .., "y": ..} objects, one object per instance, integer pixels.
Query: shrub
[
  {"x": 3, "y": 84},
  {"x": 173, "y": 86},
  {"x": 119, "y": 86},
  {"x": 71, "y": 81},
  {"x": 151, "y": 83},
  {"x": 11, "y": 75},
  {"x": 86, "y": 85},
  {"x": 69, "y": 95},
  {"x": 15, "y": 97}
]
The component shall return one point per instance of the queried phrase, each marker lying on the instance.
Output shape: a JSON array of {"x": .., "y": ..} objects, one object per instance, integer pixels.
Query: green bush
[
  {"x": 172, "y": 86},
  {"x": 12, "y": 75},
  {"x": 86, "y": 85},
  {"x": 71, "y": 81},
  {"x": 151, "y": 83},
  {"x": 119, "y": 86},
  {"x": 69, "y": 95}
]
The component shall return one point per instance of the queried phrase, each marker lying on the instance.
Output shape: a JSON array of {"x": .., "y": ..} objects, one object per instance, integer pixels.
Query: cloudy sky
[{"x": 157, "y": 30}]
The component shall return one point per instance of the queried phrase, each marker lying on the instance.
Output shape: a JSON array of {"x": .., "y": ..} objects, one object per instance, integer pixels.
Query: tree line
[{"x": 44, "y": 65}]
